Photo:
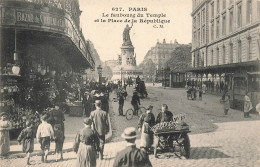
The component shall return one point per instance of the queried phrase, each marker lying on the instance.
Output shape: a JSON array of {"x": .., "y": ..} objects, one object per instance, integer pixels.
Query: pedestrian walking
[
  {"x": 26, "y": 138},
  {"x": 226, "y": 103},
  {"x": 87, "y": 103},
  {"x": 200, "y": 93},
  {"x": 100, "y": 125},
  {"x": 44, "y": 135},
  {"x": 146, "y": 121},
  {"x": 121, "y": 104},
  {"x": 56, "y": 116},
  {"x": 131, "y": 156},
  {"x": 247, "y": 105},
  {"x": 59, "y": 140},
  {"x": 217, "y": 88},
  {"x": 86, "y": 145}
]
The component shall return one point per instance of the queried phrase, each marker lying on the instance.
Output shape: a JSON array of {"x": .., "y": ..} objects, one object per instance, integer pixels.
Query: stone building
[
  {"x": 226, "y": 45},
  {"x": 43, "y": 53},
  {"x": 161, "y": 53},
  {"x": 111, "y": 63}
]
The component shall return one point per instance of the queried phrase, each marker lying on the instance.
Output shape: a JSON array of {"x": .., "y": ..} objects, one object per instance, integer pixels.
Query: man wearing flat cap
[
  {"x": 100, "y": 124},
  {"x": 131, "y": 156}
]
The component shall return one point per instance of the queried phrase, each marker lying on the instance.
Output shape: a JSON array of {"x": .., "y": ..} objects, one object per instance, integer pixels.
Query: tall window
[
  {"x": 239, "y": 16},
  {"x": 203, "y": 16},
  {"x": 249, "y": 48},
  {"x": 224, "y": 4},
  {"x": 212, "y": 31},
  {"x": 199, "y": 37},
  {"x": 224, "y": 25},
  {"x": 206, "y": 60},
  {"x": 218, "y": 6},
  {"x": 231, "y": 21},
  {"x": 198, "y": 20},
  {"x": 249, "y": 12},
  {"x": 258, "y": 8},
  {"x": 231, "y": 53},
  {"x": 212, "y": 57},
  {"x": 203, "y": 35},
  {"x": 217, "y": 29},
  {"x": 212, "y": 10},
  {"x": 224, "y": 55},
  {"x": 217, "y": 56},
  {"x": 202, "y": 59},
  {"x": 194, "y": 22},
  {"x": 195, "y": 39},
  {"x": 239, "y": 51},
  {"x": 198, "y": 60}
]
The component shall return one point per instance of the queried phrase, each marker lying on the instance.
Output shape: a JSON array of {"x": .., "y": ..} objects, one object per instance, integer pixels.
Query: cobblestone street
[{"x": 216, "y": 139}]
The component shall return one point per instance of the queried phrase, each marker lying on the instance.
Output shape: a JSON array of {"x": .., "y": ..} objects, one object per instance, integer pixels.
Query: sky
[{"x": 107, "y": 36}]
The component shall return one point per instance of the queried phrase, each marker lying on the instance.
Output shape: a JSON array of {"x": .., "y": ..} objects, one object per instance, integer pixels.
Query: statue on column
[{"x": 126, "y": 35}]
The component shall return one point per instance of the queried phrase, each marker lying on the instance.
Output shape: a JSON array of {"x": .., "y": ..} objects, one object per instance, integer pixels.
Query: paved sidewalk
[{"x": 72, "y": 126}]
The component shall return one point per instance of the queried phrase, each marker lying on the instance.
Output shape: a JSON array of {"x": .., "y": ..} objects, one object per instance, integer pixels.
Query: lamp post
[
  {"x": 92, "y": 74},
  {"x": 163, "y": 84},
  {"x": 121, "y": 76},
  {"x": 99, "y": 69}
]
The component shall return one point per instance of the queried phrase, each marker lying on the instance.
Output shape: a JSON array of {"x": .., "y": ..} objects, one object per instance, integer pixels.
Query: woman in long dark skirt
[{"x": 86, "y": 146}]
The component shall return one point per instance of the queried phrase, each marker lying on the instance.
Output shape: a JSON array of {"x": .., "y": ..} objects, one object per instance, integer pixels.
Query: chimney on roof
[{"x": 164, "y": 41}]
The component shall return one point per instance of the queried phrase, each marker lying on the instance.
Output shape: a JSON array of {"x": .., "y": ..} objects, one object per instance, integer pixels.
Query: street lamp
[
  {"x": 99, "y": 69},
  {"x": 92, "y": 74},
  {"x": 162, "y": 76},
  {"x": 121, "y": 76}
]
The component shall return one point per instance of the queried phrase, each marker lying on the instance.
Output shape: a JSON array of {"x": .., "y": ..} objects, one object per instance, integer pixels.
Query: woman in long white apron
[{"x": 146, "y": 121}]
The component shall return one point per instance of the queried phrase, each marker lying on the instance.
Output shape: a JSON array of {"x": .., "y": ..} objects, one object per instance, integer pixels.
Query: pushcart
[{"x": 172, "y": 140}]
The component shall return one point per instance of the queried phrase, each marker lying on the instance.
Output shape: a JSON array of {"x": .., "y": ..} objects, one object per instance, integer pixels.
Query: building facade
[
  {"x": 161, "y": 53},
  {"x": 226, "y": 44},
  {"x": 43, "y": 52},
  {"x": 111, "y": 63}
]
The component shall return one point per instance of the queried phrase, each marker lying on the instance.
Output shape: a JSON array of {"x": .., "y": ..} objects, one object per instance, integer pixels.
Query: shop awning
[{"x": 225, "y": 67}]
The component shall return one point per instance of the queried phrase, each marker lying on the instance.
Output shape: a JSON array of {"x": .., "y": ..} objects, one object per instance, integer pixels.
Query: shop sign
[{"x": 39, "y": 19}]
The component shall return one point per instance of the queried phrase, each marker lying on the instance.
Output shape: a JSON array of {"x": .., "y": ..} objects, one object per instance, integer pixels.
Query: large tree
[
  {"x": 148, "y": 68},
  {"x": 107, "y": 72},
  {"x": 180, "y": 58}
]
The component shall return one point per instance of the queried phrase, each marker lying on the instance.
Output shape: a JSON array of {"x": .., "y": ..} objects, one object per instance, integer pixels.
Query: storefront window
[{"x": 253, "y": 83}]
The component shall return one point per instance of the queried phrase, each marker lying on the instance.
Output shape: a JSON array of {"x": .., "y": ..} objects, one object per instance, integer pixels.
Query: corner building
[
  {"x": 42, "y": 43},
  {"x": 226, "y": 46}
]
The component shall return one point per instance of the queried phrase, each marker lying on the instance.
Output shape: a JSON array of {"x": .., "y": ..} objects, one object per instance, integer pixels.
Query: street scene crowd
[{"x": 90, "y": 140}]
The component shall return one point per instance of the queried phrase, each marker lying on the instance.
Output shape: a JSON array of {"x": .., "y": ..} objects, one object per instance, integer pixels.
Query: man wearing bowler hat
[
  {"x": 100, "y": 124},
  {"x": 131, "y": 156}
]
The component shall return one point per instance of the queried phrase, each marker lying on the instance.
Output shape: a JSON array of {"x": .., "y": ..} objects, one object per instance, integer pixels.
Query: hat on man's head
[
  {"x": 98, "y": 102},
  {"x": 149, "y": 107},
  {"x": 87, "y": 121},
  {"x": 129, "y": 133},
  {"x": 57, "y": 104},
  {"x": 3, "y": 114}
]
